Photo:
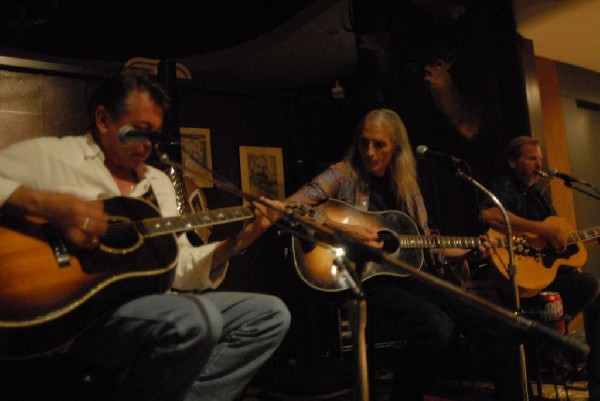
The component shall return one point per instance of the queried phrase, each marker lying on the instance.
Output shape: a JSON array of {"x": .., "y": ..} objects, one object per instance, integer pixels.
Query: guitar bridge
[{"x": 61, "y": 253}]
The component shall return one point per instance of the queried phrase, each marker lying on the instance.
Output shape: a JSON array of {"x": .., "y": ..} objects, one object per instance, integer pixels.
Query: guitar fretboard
[
  {"x": 433, "y": 241},
  {"x": 163, "y": 225},
  {"x": 582, "y": 235}
]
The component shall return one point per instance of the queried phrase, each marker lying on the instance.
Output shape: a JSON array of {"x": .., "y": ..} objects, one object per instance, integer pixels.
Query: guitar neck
[
  {"x": 437, "y": 241},
  {"x": 583, "y": 235},
  {"x": 164, "y": 225}
]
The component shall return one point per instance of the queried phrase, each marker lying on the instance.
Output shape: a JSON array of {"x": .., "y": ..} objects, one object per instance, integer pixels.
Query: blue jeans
[
  {"x": 184, "y": 347},
  {"x": 252, "y": 327}
]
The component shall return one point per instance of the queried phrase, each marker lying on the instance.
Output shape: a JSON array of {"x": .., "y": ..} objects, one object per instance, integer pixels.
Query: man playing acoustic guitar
[
  {"x": 529, "y": 210},
  {"x": 99, "y": 280}
]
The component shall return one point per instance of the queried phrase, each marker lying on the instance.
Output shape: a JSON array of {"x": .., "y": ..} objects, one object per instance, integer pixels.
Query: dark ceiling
[
  {"x": 120, "y": 29},
  {"x": 261, "y": 43},
  {"x": 254, "y": 43}
]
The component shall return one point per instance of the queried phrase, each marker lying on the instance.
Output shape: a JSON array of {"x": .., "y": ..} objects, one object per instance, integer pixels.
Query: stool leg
[
  {"x": 372, "y": 370},
  {"x": 538, "y": 369}
]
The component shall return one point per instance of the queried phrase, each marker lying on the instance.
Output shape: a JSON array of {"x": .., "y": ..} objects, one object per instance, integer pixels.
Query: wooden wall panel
[{"x": 555, "y": 138}]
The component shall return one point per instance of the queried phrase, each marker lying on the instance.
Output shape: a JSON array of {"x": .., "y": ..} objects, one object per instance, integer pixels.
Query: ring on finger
[
  {"x": 95, "y": 241},
  {"x": 85, "y": 223}
]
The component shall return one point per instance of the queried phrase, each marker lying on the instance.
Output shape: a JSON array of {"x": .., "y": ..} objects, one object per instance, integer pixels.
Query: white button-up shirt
[{"x": 75, "y": 164}]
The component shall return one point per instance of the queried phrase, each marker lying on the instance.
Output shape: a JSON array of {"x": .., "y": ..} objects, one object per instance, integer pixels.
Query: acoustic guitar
[
  {"x": 537, "y": 269},
  {"x": 402, "y": 240},
  {"x": 49, "y": 293}
]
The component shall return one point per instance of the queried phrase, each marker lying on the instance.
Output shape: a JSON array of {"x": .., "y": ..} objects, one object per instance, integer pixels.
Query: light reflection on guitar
[{"x": 402, "y": 241}]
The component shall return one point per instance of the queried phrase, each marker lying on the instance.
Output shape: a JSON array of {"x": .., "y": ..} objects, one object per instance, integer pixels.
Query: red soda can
[{"x": 553, "y": 310}]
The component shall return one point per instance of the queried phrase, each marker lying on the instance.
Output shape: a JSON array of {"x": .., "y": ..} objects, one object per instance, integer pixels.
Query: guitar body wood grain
[
  {"x": 536, "y": 270},
  {"x": 49, "y": 293}
]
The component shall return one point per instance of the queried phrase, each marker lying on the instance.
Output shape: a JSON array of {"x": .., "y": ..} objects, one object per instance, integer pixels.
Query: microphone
[
  {"x": 423, "y": 152},
  {"x": 127, "y": 134},
  {"x": 552, "y": 172}
]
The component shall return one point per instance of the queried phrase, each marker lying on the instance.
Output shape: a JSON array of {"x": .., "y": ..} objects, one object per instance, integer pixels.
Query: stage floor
[{"x": 442, "y": 391}]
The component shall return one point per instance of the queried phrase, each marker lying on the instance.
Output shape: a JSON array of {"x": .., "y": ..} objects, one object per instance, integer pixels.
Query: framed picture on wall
[
  {"x": 195, "y": 152},
  {"x": 261, "y": 171}
]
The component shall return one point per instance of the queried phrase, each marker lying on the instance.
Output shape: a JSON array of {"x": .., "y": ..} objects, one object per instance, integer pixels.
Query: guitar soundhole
[
  {"x": 390, "y": 240},
  {"x": 121, "y": 236}
]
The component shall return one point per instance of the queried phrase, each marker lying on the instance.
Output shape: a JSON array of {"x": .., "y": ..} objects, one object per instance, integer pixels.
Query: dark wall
[
  {"x": 399, "y": 42},
  {"x": 36, "y": 104},
  {"x": 313, "y": 131}
]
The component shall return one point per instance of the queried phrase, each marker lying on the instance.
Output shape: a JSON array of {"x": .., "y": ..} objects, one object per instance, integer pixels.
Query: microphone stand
[
  {"x": 512, "y": 273},
  {"x": 569, "y": 183},
  {"x": 352, "y": 274}
]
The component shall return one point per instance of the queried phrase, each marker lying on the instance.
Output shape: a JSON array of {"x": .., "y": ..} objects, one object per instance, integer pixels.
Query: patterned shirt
[{"x": 335, "y": 183}]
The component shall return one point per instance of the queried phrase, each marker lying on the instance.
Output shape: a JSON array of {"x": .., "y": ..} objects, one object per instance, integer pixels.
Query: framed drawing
[
  {"x": 195, "y": 152},
  {"x": 261, "y": 171}
]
